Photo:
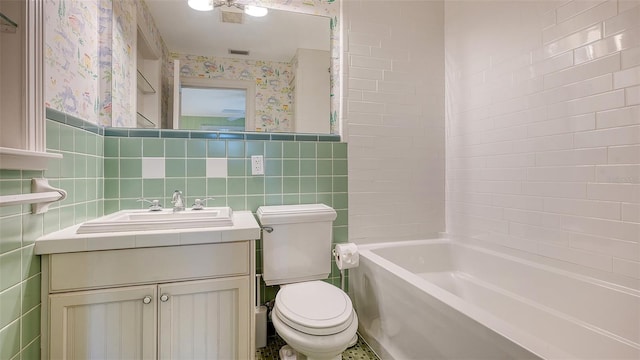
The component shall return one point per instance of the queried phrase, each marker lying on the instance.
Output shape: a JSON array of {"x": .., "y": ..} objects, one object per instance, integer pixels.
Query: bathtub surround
[
  {"x": 393, "y": 116},
  {"x": 300, "y": 168},
  {"x": 543, "y": 130}
]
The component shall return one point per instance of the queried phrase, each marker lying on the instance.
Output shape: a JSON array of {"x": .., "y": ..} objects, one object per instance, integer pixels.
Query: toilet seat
[{"x": 314, "y": 307}]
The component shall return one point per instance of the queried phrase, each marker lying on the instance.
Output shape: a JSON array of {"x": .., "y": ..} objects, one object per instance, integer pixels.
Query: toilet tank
[{"x": 299, "y": 247}]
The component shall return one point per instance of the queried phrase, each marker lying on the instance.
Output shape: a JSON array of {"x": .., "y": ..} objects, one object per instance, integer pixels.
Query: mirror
[{"x": 284, "y": 56}]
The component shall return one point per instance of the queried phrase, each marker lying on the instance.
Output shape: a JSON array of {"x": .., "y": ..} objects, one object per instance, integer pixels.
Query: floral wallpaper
[
  {"x": 71, "y": 57},
  {"x": 273, "y": 94},
  {"x": 123, "y": 65}
]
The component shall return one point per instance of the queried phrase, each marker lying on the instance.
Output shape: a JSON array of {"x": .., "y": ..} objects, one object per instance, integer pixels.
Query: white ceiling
[{"x": 274, "y": 37}]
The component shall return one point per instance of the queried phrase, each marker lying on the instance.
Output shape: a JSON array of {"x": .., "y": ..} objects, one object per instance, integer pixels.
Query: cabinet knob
[
  {"x": 164, "y": 297},
  {"x": 146, "y": 299}
]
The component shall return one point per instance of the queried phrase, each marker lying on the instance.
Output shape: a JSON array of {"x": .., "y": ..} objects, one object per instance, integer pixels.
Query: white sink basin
[{"x": 165, "y": 219}]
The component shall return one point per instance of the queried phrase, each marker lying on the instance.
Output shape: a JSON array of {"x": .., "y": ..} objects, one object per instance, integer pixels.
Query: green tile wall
[
  {"x": 80, "y": 173},
  {"x": 296, "y": 172},
  {"x": 103, "y": 174}
]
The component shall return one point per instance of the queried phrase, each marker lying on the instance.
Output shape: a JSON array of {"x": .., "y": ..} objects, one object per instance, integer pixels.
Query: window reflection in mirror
[{"x": 213, "y": 109}]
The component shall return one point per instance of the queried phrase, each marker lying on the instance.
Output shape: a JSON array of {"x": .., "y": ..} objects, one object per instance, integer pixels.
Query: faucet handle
[
  {"x": 155, "y": 204},
  {"x": 198, "y": 203}
]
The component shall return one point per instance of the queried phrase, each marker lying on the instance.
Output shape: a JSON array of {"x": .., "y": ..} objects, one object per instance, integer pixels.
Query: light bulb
[
  {"x": 201, "y": 5},
  {"x": 256, "y": 11}
]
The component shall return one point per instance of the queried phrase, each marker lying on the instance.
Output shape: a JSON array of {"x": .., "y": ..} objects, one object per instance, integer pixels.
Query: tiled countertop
[{"x": 245, "y": 227}]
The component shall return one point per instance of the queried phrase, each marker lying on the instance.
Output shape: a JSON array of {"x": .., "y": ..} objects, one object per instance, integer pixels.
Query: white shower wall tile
[{"x": 568, "y": 120}]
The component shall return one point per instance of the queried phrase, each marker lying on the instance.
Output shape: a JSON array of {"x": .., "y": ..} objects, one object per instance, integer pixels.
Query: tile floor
[{"x": 361, "y": 351}]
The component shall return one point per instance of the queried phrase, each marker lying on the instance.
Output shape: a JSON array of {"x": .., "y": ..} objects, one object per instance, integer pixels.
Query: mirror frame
[{"x": 247, "y": 85}]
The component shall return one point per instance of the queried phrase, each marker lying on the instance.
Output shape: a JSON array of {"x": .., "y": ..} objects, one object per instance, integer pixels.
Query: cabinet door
[
  {"x": 117, "y": 323},
  {"x": 206, "y": 319}
]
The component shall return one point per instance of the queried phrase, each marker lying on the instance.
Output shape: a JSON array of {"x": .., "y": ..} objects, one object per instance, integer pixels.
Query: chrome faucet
[{"x": 177, "y": 201}]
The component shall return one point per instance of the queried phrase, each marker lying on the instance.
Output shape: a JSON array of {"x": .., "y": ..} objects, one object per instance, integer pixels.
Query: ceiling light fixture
[{"x": 208, "y": 5}]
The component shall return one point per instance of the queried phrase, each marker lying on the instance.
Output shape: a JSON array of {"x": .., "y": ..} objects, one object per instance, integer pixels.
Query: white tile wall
[
  {"x": 543, "y": 129},
  {"x": 394, "y": 118}
]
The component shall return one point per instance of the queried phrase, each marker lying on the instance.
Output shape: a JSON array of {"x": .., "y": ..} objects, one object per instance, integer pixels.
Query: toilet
[{"x": 314, "y": 318}]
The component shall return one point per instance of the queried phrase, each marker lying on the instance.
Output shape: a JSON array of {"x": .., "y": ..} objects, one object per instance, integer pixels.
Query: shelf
[
  {"x": 143, "y": 122},
  {"x": 7, "y": 25},
  {"x": 144, "y": 86}
]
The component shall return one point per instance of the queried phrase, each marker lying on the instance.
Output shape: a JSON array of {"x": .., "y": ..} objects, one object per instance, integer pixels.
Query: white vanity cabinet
[{"x": 175, "y": 302}]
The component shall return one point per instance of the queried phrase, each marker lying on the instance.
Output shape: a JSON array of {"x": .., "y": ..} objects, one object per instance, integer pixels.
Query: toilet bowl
[{"x": 316, "y": 319}]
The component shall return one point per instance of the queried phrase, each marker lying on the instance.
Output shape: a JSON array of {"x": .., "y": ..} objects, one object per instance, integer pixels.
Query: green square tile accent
[
  {"x": 131, "y": 204},
  {"x": 80, "y": 166},
  {"x": 32, "y": 351},
  {"x": 153, "y": 147},
  {"x": 235, "y": 149},
  {"x": 236, "y": 186},
  {"x": 111, "y": 188},
  {"x": 290, "y": 199},
  {"x": 92, "y": 189},
  {"x": 324, "y": 184},
  {"x": 308, "y": 185},
  {"x": 32, "y": 227},
  {"x": 325, "y": 150},
  {"x": 340, "y": 234},
  {"x": 237, "y": 203},
  {"x": 175, "y": 148},
  {"x": 216, "y": 148},
  {"x": 340, "y": 167},
  {"x": 171, "y": 185},
  {"x": 10, "y": 269},
  {"x": 67, "y": 185},
  {"x": 216, "y": 187},
  {"x": 196, "y": 148},
  {"x": 342, "y": 218},
  {"x": 217, "y": 201},
  {"x": 67, "y": 166},
  {"x": 51, "y": 223},
  {"x": 53, "y": 135},
  {"x": 290, "y": 185},
  {"x": 273, "y": 149},
  {"x": 130, "y": 147},
  {"x": 273, "y": 185},
  {"x": 254, "y": 202},
  {"x": 340, "y": 184},
  {"x": 324, "y": 199},
  {"x": 99, "y": 145},
  {"x": 30, "y": 262},
  {"x": 67, "y": 216},
  {"x": 308, "y": 199},
  {"x": 291, "y": 149},
  {"x": 130, "y": 188},
  {"x": 339, "y": 150},
  {"x": 254, "y": 148},
  {"x": 92, "y": 143},
  {"x": 273, "y": 167},
  {"x": 130, "y": 168},
  {"x": 175, "y": 167},
  {"x": 111, "y": 147},
  {"x": 10, "y": 174},
  {"x": 80, "y": 213},
  {"x": 92, "y": 210},
  {"x": 340, "y": 200},
  {"x": 92, "y": 166},
  {"x": 80, "y": 189},
  {"x": 10, "y": 187},
  {"x": 196, "y": 188},
  {"x": 153, "y": 189},
  {"x": 10, "y": 234},
  {"x": 111, "y": 168},
  {"x": 325, "y": 167},
  {"x": 10, "y": 305},
  {"x": 111, "y": 206},
  {"x": 80, "y": 138},
  {"x": 30, "y": 326},
  {"x": 255, "y": 185},
  {"x": 307, "y": 167},
  {"x": 271, "y": 199},
  {"x": 290, "y": 167},
  {"x": 196, "y": 167},
  {"x": 66, "y": 138},
  {"x": 236, "y": 167},
  {"x": 10, "y": 340},
  {"x": 308, "y": 150},
  {"x": 53, "y": 171}
]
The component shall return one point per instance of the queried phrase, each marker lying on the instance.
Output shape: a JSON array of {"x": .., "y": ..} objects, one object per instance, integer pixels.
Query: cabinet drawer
[{"x": 98, "y": 269}]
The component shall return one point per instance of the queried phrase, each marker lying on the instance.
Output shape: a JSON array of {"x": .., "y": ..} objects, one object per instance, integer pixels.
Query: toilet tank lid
[{"x": 289, "y": 214}]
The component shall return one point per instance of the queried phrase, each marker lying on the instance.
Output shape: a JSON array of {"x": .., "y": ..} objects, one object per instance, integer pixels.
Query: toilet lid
[{"x": 314, "y": 308}]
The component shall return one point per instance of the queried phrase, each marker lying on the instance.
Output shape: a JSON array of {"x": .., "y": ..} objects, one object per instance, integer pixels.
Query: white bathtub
[{"x": 436, "y": 299}]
